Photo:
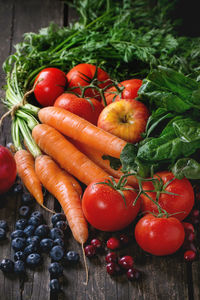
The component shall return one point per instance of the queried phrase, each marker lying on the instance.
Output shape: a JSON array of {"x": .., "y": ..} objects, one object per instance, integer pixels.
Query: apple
[{"x": 125, "y": 118}]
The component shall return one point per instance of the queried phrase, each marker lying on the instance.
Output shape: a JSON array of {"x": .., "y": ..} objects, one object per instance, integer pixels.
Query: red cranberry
[
  {"x": 124, "y": 239},
  {"x": 96, "y": 243},
  {"x": 191, "y": 246},
  {"x": 112, "y": 268},
  {"x": 189, "y": 255},
  {"x": 190, "y": 236},
  {"x": 111, "y": 257},
  {"x": 188, "y": 226},
  {"x": 133, "y": 274},
  {"x": 90, "y": 250},
  {"x": 113, "y": 243},
  {"x": 187, "y": 245},
  {"x": 126, "y": 262}
]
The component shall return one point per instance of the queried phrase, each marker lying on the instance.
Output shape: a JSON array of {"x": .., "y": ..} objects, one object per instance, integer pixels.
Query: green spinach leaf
[
  {"x": 187, "y": 129},
  {"x": 186, "y": 167},
  {"x": 171, "y": 90}
]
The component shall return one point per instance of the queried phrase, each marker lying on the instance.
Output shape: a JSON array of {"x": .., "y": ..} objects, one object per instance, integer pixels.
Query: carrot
[
  {"x": 26, "y": 171},
  {"x": 96, "y": 157},
  {"x": 58, "y": 184},
  {"x": 74, "y": 182},
  {"x": 67, "y": 155},
  {"x": 81, "y": 130}
]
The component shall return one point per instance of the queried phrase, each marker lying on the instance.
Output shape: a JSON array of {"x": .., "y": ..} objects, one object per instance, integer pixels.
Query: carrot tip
[
  {"x": 85, "y": 264},
  {"x": 47, "y": 209}
]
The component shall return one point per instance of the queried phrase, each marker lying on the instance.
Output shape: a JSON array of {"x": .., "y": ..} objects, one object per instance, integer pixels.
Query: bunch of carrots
[{"x": 72, "y": 148}]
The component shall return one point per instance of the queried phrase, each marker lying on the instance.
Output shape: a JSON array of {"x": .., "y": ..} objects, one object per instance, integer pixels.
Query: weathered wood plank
[
  {"x": 18, "y": 17},
  {"x": 9, "y": 286}
]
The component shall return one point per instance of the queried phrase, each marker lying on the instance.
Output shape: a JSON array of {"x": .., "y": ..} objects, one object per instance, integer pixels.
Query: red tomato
[
  {"x": 159, "y": 236},
  {"x": 180, "y": 204},
  {"x": 51, "y": 84},
  {"x": 82, "y": 75},
  {"x": 104, "y": 207},
  {"x": 8, "y": 170},
  {"x": 130, "y": 90},
  {"x": 88, "y": 109}
]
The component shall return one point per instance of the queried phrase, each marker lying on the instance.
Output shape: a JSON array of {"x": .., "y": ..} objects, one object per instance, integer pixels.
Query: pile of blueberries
[{"x": 32, "y": 238}]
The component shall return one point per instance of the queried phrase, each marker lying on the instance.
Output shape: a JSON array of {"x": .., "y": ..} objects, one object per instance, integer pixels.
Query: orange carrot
[
  {"x": 74, "y": 183},
  {"x": 96, "y": 157},
  {"x": 58, "y": 184},
  {"x": 26, "y": 171},
  {"x": 67, "y": 155},
  {"x": 81, "y": 130}
]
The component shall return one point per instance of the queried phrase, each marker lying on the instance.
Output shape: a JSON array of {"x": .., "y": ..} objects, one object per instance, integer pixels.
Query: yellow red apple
[{"x": 125, "y": 118}]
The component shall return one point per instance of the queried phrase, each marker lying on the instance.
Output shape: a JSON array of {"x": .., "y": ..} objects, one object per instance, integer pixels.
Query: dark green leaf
[
  {"x": 187, "y": 130},
  {"x": 114, "y": 162},
  {"x": 171, "y": 90},
  {"x": 186, "y": 167},
  {"x": 127, "y": 158}
]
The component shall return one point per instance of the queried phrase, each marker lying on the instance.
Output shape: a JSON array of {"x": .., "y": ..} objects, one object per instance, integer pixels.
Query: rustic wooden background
[{"x": 163, "y": 277}]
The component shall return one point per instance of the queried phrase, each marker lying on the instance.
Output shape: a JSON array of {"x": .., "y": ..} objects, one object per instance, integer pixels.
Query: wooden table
[{"x": 162, "y": 277}]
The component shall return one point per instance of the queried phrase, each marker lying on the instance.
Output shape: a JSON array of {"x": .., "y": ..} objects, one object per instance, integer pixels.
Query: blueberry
[
  {"x": 2, "y": 234},
  {"x": 29, "y": 230},
  {"x": 18, "y": 243},
  {"x": 17, "y": 188},
  {"x": 33, "y": 240},
  {"x": 58, "y": 217},
  {"x": 42, "y": 231},
  {"x": 37, "y": 214},
  {"x": 35, "y": 221},
  {"x": 21, "y": 224},
  {"x": 3, "y": 225},
  {"x": 17, "y": 233},
  {"x": 24, "y": 211},
  {"x": 57, "y": 253},
  {"x": 61, "y": 225},
  {"x": 56, "y": 233},
  {"x": 46, "y": 245},
  {"x": 19, "y": 255},
  {"x": 59, "y": 242},
  {"x": 19, "y": 267},
  {"x": 27, "y": 199},
  {"x": 56, "y": 269},
  {"x": 33, "y": 259},
  {"x": 6, "y": 265},
  {"x": 54, "y": 286},
  {"x": 30, "y": 249},
  {"x": 72, "y": 256}
]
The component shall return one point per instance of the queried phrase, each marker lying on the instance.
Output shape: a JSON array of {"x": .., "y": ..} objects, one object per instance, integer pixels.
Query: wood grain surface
[{"x": 163, "y": 278}]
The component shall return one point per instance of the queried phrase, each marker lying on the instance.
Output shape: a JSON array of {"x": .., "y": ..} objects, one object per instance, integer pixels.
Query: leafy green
[
  {"x": 114, "y": 162},
  {"x": 186, "y": 167},
  {"x": 187, "y": 130},
  {"x": 155, "y": 119},
  {"x": 171, "y": 90},
  {"x": 128, "y": 157},
  {"x": 172, "y": 135}
]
